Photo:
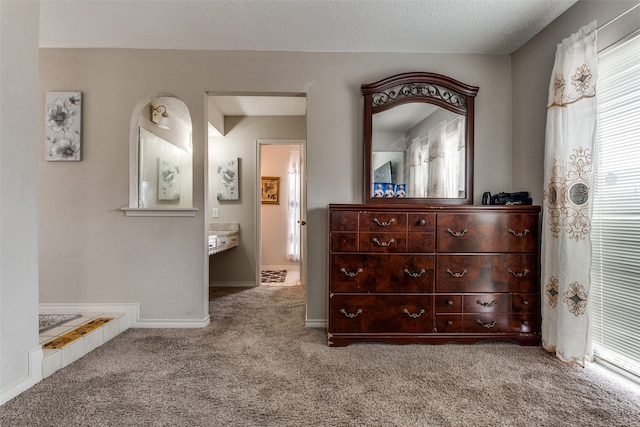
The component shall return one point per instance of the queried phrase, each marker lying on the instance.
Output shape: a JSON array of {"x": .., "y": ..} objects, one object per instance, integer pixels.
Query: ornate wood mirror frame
[{"x": 418, "y": 161}]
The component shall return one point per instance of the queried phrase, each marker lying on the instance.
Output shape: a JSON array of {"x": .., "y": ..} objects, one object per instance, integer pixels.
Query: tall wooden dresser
[{"x": 432, "y": 274}]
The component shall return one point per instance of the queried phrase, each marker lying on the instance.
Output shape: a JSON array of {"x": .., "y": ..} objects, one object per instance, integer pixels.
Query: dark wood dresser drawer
[
  {"x": 343, "y": 221},
  {"x": 524, "y": 323},
  {"x": 487, "y": 232},
  {"x": 480, "y": 323},
  {"x": 423, "y": 222},
  {"x": 383, "y": 222},
  {"x": 525, "y": 303},
  {"x": 486, "y": 273},
  {"x": 448, "y": 304},
  {"x": 380, "y": 313},
  {"x": 486, "y": 303},
  {"x": 344, "y": 242},
  {"x": 382, "y": 242},
  {"x": 381, "y": 273},
  {"x": 421, "y": 242},
  {"x": 449, "y": 324}
]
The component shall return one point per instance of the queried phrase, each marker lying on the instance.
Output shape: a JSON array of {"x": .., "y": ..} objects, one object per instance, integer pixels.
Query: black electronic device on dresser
[{"x": 421, "y": 264}]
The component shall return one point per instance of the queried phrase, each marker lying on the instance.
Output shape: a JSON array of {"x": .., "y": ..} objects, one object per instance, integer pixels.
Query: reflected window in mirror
[{"x": 418, "y": 130}]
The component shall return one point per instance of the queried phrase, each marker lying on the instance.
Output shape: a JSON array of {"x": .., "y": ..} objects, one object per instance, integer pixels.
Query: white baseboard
[
  {"x": 232, "y": 284},
  {"x": 315, "y": 323},
  {"x": 33, "y": 376},
  {"x": 281, "y": 267},
  {"x": 132, "y": 309},
  {"x": 173, "y": 323},
  {"x": 133, "y": 313}
]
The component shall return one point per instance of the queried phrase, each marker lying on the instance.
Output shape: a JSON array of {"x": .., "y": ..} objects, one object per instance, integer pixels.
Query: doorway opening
[
  {"x": 281, "y": 168},
  {"x": 244, "y": 128}
]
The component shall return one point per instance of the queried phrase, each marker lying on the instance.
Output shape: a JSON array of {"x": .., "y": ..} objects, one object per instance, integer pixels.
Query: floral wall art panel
[
  {"x": 228, "y": 184},
  {"x": 168, "y": 179},
  {"x": 63, "y": 126}
]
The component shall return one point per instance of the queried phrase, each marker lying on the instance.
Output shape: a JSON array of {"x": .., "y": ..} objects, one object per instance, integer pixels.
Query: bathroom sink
[{"x": 222, "y": 237}]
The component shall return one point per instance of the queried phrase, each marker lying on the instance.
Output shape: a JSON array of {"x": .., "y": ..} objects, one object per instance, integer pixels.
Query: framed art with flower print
[
  {"x": 270, "y": 190},
  {"x": 228, "y": 179},
  {"x": 63, "y": 127}
]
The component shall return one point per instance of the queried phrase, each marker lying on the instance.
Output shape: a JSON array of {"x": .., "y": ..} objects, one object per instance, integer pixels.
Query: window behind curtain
[{"x": 615, "y": 274}]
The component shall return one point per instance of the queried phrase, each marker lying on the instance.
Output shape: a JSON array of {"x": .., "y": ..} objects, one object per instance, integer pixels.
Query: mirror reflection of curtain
[
  {"x": 437, "y": 176},
  {"x": 454, "y": 158},
  {"x": 437, "y": 162},
  {"x": 417, "y": 169},
  {"x": 293, "y": 207}
]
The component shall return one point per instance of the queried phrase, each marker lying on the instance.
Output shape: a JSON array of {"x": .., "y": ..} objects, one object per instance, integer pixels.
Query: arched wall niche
[{"x": 161, "y": 161}]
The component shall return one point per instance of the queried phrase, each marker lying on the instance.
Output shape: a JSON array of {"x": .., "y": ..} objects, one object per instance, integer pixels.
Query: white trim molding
[
  {"x": 131, "y": 309},
  {"x": 33, "y": 377},
  {"x": 139, "y": 212},
  {"x": 172, "y": 323},
  {"x": 315, "y": 323}
]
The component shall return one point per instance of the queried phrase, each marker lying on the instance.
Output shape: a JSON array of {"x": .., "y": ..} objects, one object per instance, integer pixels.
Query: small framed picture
[
  {"x": 401, "y": 191},
  {"x": 270, "y": 190}
]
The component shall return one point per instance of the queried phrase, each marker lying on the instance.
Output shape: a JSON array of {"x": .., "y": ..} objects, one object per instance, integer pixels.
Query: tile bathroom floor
[
  {"x": 292, "y": 279},
  {"x": 55, "y": 359}
]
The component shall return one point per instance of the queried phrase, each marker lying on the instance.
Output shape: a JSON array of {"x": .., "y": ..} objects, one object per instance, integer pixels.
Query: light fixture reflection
[{"x": 159, "y": 116}]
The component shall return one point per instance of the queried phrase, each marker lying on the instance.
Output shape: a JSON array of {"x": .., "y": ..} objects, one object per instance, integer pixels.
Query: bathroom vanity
[{"x": 222, "y": 237}]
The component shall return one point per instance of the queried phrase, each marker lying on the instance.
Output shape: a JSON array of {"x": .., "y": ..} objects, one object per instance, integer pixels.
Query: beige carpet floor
[{"x": 256, "y": 365}]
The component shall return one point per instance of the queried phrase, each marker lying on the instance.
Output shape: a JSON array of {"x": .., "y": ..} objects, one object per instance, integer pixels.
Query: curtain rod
[{"x": 611, "y": 21}]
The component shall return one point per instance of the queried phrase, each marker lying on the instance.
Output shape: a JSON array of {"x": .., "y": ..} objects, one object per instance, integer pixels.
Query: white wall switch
[{"x": 214, "y": 213}]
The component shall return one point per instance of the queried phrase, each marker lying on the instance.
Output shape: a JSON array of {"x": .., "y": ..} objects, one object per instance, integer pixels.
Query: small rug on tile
[
  {"x": 273, "y": 276},
  {"x": 75, "y": 333},
  {"x": 50, "y": 321}
]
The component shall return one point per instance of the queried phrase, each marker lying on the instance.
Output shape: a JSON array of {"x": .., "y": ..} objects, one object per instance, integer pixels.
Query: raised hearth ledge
[{"x": 186, "y": 212}]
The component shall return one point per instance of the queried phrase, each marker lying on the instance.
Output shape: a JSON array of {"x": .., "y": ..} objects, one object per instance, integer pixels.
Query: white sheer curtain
[
  {"x": 454, "y": 157},
  {"x": 293, "y": 207},
  {"x": 437, "y": 181},
  {"x": 569, "y": 156},
  {"x": 417, "y": 169}
]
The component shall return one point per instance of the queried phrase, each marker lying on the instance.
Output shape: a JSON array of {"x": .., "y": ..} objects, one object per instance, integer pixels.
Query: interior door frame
[{"x": 302, "y": 143}]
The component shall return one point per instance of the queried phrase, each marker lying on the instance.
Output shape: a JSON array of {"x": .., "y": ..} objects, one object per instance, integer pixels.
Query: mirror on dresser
[{"x": 418, "y": 140}]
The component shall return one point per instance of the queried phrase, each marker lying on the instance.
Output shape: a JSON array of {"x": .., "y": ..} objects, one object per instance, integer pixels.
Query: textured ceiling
[
  {"x": 433, "y": 26},
  {"x": 425, "y": 26}
]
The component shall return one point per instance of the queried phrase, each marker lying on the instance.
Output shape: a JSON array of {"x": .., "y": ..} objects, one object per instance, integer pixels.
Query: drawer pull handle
[
  {"x": 449, "y": 303},
  {"x": 487, "y": 304},
  {"x": 449, "y": 323},
  {"x": 462, "y": 273},
  {"x": 422, "y": 222},
  {"x": 383, "y": 223},
  {"x": 350, "y": 274},
  {"x": 414, "y": 275},
  {"x": 350, "y": 315},
  {"x": 524, "y": 233},
  {"x": 414, "y": 315},
  {"x": 525, "y": 302},
  {"x": 457, "y": 233},
  {"x": 525, "y": 322},
  {"x": 524, "y": 273},
  {"x": 487, "y": 325},
  {"x": 383, "y": 244}
]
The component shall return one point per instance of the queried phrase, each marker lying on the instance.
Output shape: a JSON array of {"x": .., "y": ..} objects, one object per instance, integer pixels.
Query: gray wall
[
  {"x": 19, "y": 349},
  {"x": 91, "y": 252}
]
